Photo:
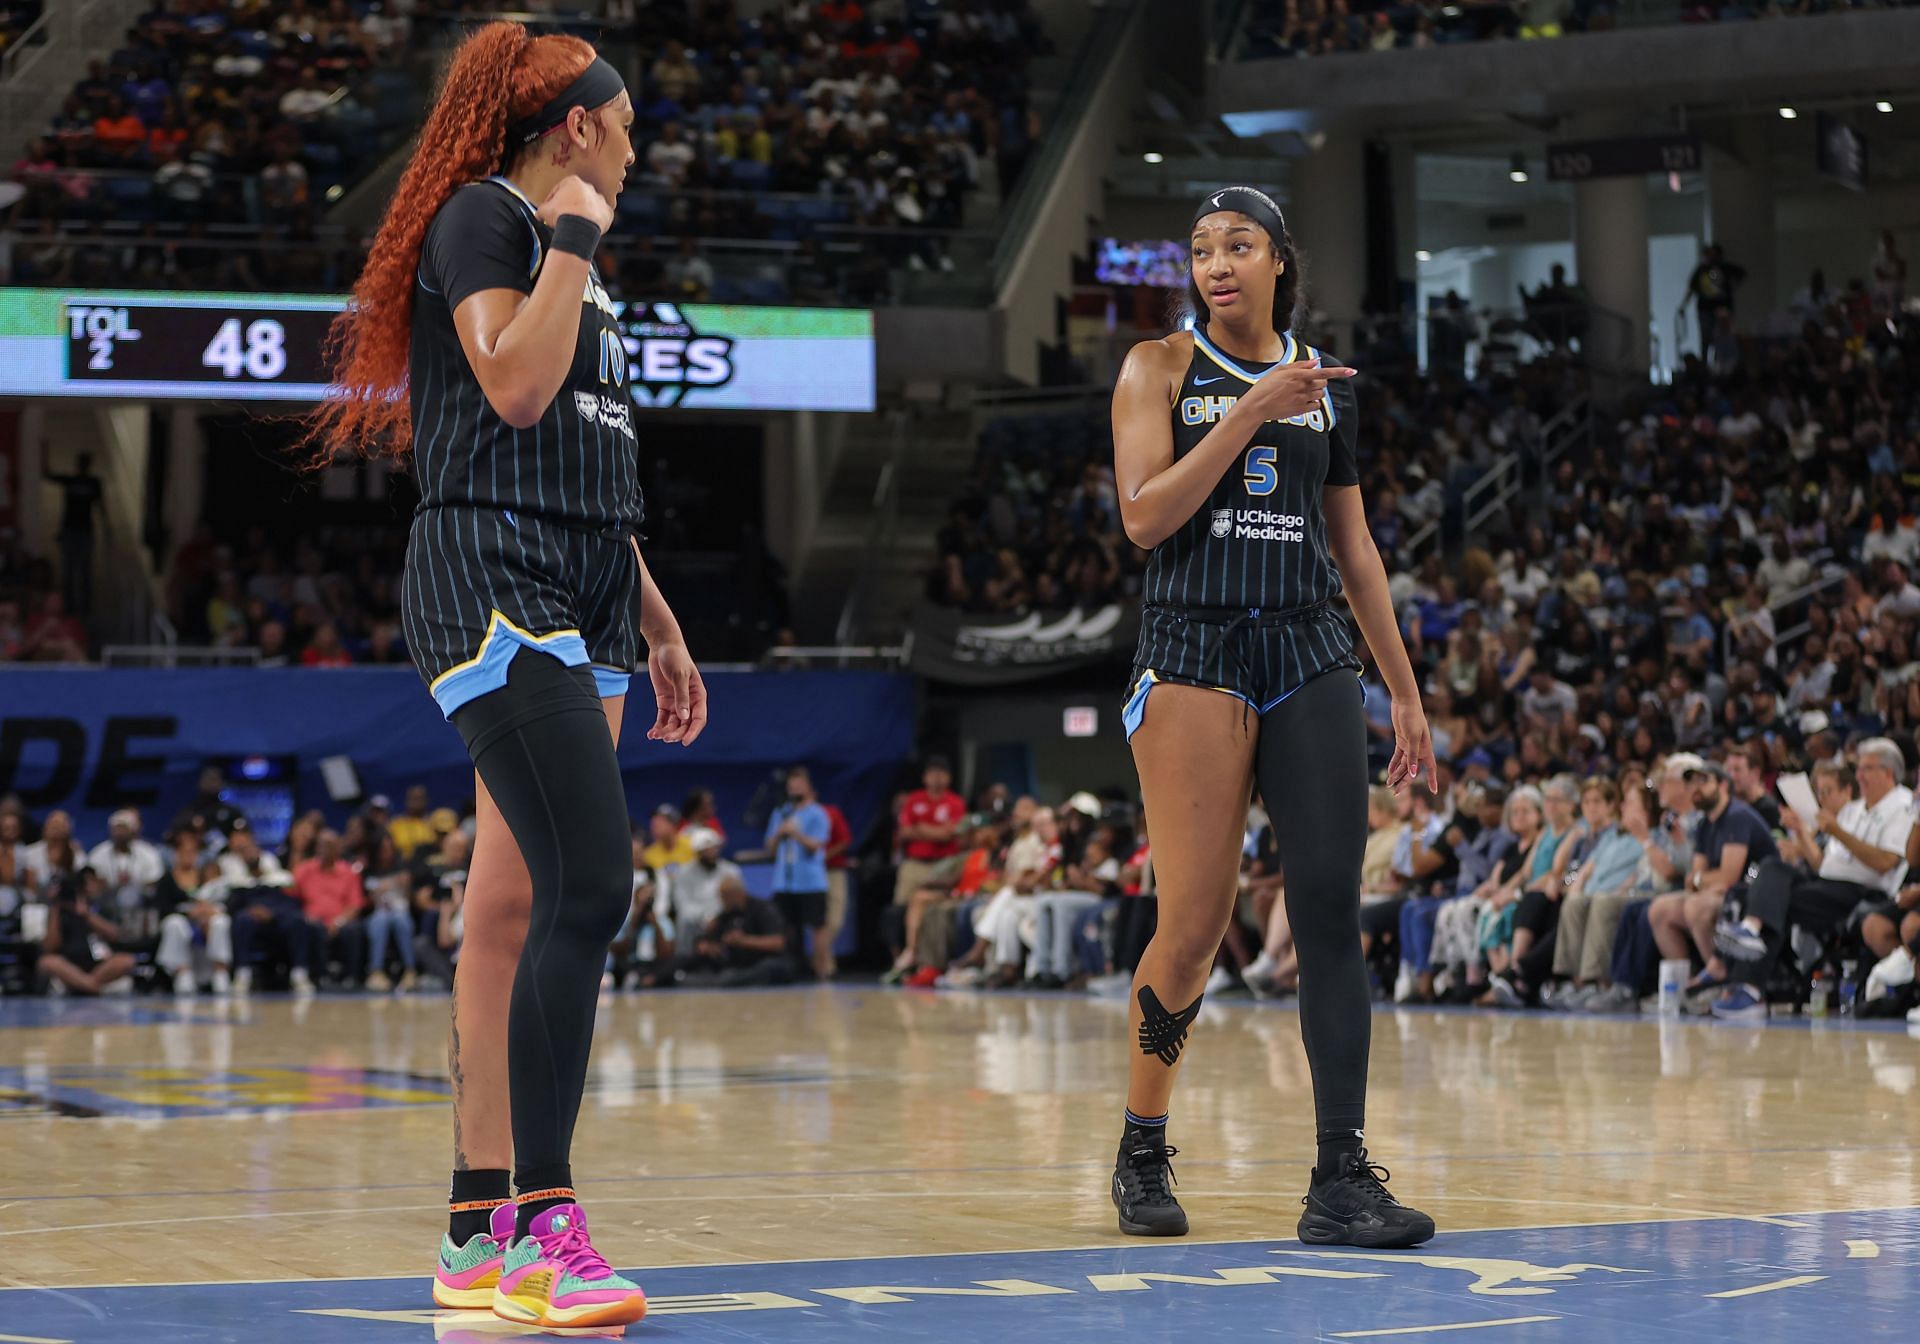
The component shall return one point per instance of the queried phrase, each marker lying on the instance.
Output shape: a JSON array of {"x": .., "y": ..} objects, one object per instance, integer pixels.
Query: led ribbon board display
[{"x": 266, "y": 347}]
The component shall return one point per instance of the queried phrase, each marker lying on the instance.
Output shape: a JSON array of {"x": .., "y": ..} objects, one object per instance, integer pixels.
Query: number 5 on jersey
[{"x": 1260, "y": 475}]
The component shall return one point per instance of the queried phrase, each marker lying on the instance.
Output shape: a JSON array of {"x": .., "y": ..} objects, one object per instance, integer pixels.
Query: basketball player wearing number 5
[{"x": 1234, "y": 457}]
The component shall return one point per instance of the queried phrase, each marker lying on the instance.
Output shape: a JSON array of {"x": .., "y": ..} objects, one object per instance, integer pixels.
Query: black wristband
[{"x": 576, "y": 235}]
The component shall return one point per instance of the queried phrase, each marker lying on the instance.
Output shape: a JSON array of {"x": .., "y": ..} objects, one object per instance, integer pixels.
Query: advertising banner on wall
[
  {"x": 973, "y": 650},
  {"x": 90, "y": 741}
]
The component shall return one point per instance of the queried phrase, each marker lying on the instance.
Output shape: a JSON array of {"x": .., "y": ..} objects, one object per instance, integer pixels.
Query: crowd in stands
[
  {"x": 319, "y": 605},
  {"x": 1517, "y": 885},
  {"x": 378, "y": 904},
  {"x": 1278, "y": 28},
  {"x": 36, "y": 624},
  {"x": 888, "y": 109},
  {"x": 235, "y": 111},
  {"x": 789, "y": 129}
]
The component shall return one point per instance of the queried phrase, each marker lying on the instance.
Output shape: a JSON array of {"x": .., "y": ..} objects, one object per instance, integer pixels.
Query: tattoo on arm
[{"x": 1164, "y": 1034}]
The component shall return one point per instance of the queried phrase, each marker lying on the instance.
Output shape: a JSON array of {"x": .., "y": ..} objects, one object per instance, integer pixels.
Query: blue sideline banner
[{"x": 91, "y": 740}]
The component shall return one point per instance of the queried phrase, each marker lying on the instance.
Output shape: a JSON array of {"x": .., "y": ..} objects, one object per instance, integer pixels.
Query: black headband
[
  {"x": 1249, "y": 201},
  {"x": 598, "y": 84}
]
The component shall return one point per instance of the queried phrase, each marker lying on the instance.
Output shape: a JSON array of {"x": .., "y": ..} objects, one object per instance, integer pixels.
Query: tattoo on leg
[
  {"x": 1164, "y": 1034},
  {"x": 457, "y": 1077}
]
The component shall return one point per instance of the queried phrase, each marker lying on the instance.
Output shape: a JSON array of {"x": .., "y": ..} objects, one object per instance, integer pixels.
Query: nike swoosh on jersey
[{"x": 1202, "y": 382}]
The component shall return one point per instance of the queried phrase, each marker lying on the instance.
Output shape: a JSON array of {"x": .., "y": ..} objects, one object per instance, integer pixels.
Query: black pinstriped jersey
[
  {"x": 1260, "y": 540},
  {"x": 578, "y": 463}
]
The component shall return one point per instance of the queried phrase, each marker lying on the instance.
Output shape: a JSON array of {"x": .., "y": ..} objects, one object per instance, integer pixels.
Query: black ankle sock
[
  {"x": 553, "y": 1184},
  {"x": 486, "y": 1188},
  {"x": 1140, "y": 1130},
  {"x": 1334, "y": 1145}
]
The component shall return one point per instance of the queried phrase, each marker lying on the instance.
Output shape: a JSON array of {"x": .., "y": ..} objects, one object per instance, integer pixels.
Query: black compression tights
[
  {"x": 542, "y": 747},
  {"x": 1311, "y": 766}
]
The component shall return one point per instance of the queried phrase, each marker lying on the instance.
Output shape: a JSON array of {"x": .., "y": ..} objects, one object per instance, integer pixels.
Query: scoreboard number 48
[{"x": 260, "y": 353}]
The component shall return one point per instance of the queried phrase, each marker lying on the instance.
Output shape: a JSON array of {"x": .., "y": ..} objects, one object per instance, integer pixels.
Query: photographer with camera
[{"x": 76, "y": 957}]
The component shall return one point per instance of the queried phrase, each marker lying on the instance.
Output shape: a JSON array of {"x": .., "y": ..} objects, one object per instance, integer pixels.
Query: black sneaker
[
  {"x": 1143, "y": 1190},
  {"x": 1353, "y": 1208}
]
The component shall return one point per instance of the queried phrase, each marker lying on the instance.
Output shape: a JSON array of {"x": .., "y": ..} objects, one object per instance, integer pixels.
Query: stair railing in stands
[{"x": 880, "y": 531}]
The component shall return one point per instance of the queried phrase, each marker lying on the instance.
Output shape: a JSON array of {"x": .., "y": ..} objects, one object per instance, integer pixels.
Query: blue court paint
[
  {"x": 163, "y": 1092},
  {"x": 113, "y": 1011},
  {"x": 1720, "y": 1279},
  {"x": 120, "y": 1011}
]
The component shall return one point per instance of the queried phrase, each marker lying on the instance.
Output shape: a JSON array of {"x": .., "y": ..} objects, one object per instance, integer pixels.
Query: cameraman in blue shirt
[{"x": 797, "y": 833}]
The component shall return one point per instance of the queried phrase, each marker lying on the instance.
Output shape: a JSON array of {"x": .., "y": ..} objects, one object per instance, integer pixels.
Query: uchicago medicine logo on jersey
[
  {"x": 1258, "y": 525},
  {"x": 1263, "y": 525},
  {"x": 601, "y": 409}
]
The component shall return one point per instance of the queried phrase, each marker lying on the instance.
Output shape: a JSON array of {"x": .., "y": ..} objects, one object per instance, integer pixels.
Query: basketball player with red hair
[{"x": 481, "y": 344}]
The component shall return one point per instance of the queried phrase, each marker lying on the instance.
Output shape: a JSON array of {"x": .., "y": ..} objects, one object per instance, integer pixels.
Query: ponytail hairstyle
[
  {"x": 499, "y": 74},
  {"x": 1289, "y": 293}
]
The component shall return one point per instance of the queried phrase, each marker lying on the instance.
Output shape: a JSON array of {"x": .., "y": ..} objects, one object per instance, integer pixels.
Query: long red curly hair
[{"x": 498, "y": 75}]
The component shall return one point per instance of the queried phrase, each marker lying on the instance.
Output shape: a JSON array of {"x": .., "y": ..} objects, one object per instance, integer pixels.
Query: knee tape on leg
[{"x": 1163, "y": 1034}]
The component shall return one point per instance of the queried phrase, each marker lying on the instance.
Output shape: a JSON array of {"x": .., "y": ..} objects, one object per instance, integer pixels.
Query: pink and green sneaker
[
  {"x": 552, "y": 1277},
  {"x": 467, "y": 1274}
]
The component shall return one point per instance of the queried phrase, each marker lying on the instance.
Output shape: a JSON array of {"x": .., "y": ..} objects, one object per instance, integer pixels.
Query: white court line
[
  {"x": 1115, "y": 1244},
  {"x": 1436, "y": 1329},
  {"x": 831, "y": 1196},
  {"x": 1671, "y": 1213},
  {"x": 1863, "y": 1250},
  {"x": 1798, "y": 1281}
]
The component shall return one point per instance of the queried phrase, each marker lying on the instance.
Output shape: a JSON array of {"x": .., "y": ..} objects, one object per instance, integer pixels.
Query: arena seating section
[
  {"x": 1293, "y": 28},
  {"x": 805, "y": 157}
]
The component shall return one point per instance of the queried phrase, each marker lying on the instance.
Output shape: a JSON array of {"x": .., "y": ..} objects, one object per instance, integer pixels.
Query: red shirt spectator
[
  {"x": 328, "y": 890},
  {"x": 839, "y": 839},
  {"x": 119, "y": 136},
  {"x": 53, "y": 635},
  {"x": 699, "y": 810},
  {"x": 326, "y": 649},
  {"x": 930, "y": 818},
  {"x": 976, "y": 873},
  {"x": 166, "y": 139}
]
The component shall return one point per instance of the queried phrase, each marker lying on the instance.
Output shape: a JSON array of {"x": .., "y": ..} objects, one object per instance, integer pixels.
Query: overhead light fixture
[
  {"x": 1517, "y": 170},
  {"x": 1883, "y": 106},
  {"x": 1788, "y": 114},
  {"x": 1152, "y": 157},
  {"x": 1423, "y": 255}
]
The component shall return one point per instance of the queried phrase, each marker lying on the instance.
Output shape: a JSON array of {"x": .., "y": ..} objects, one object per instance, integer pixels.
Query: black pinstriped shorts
[
  {"x": 482, "y": 584},
  {"x": 1259, "y": 657}
]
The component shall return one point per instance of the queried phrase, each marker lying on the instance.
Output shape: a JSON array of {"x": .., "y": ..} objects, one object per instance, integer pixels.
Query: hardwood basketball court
[{"x": 850, "y": 1164}]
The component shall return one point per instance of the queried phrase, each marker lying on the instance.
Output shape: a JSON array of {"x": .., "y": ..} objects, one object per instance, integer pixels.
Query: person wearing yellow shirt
[
  {"x": 670, "y": 845},
  {"x": 413, "y": 828}
]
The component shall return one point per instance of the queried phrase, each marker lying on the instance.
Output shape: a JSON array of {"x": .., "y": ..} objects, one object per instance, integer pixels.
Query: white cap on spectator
[
  {"x": 1085, "y": 804},
  {"x": 127, "y": 817},
  {"x": 1680, "y": 762},
  {"x": 703, "y": 837}
]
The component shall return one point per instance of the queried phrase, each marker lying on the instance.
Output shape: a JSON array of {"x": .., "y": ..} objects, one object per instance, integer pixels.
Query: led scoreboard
[
  {"x": 268, "y": 347},
  {"x": 218, "y": 348}
]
